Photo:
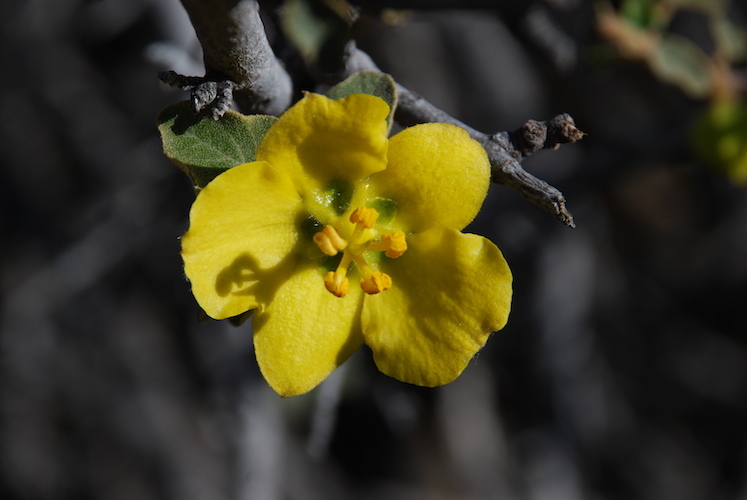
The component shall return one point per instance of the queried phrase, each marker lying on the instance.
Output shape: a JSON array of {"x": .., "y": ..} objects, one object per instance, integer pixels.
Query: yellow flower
[{"x": 337, "y": 236}]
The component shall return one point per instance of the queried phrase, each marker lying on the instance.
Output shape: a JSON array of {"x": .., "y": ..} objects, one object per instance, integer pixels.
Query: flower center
[{"x": 362, "y": 240}]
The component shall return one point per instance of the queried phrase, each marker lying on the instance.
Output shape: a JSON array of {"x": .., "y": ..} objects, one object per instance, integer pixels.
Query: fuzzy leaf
[
  {"x": 730, "y": 39},
  {"x": 368, "y": 82},
  {"x": 203, "y": 147},
  {"x": 677, "y": 60}
]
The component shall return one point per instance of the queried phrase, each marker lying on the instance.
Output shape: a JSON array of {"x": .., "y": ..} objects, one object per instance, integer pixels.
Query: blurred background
[{"x": 622, "y": 373}]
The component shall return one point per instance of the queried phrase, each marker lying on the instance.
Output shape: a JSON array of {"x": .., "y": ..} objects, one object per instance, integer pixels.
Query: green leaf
[
  {"x": 319, "y": 29},
  {"x": 368, "y": 82},
  {"x": 730, "y": 39},
  {"x": 643, "y": 14},
  {"x": 203, "y": 147},
  {"x": 677, "y": 60}
]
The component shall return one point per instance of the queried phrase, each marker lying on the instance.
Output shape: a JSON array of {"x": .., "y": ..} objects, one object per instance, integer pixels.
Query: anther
[
  {"x": 364, "y": 216},
  {"x": 392, "y": 244},
  {"x": 329, "y": 241},
  {"x": 396, "y": 243},
  {"x": 337, "y": 283},
  {"x": 376, "y": 282}
]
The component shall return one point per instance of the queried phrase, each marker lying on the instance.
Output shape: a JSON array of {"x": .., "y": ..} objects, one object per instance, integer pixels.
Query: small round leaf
[{"x": 203, "y": 147}]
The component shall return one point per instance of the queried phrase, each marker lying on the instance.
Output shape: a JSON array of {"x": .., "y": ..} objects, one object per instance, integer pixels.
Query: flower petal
[
  {"x": 243, "y": 225},
  {"x": 450, "y": 291},
  {"x": 437, "y": 175},
  {"x": 323, "y": 144},
  {"x": 306, "y": 332}
]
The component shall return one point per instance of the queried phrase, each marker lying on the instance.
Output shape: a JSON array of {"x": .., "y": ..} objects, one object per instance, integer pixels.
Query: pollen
[{"x": 363, "y": 238}]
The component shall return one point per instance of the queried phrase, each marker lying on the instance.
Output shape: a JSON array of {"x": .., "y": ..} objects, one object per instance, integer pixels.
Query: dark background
[{"x": 622, "y": 373}]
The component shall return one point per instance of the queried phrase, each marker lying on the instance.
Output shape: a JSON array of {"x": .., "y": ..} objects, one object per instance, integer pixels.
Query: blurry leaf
[
  {"x": 629, "y": 40},
  {"x": 642, "y": 13},
  {"x": 203, "y": 147},
  {"x": 730, "y": 40},
  {"x": 368, "y": 82},
  {"x": 677, "y": 60},
  {"x": 319, "y": 29},
  {"x": 720, "y": 138}
]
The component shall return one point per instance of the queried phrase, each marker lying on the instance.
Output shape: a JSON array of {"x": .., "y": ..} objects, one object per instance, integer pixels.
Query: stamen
[
  {"x": 329, "y": 241},
  {"x": 337, "y": 283},
  {"x": 393, "y": 244}
]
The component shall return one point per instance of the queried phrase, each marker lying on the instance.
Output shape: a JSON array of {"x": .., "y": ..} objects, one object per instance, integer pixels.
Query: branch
[{"x": 239, "y": 63}]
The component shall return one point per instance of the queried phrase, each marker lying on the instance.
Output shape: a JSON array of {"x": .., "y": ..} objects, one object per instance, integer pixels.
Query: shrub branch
[
  {"x": 240, "y": 65},
  {"x": 239, "y": 62}
]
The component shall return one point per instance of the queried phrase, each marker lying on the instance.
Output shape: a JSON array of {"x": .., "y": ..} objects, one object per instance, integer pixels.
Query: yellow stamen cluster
[{"x": 330, "y": 242}]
